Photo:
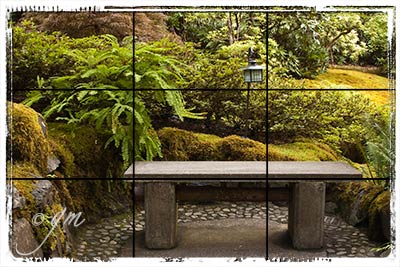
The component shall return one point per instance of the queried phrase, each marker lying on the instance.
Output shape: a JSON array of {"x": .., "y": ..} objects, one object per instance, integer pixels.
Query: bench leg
[
  {"x": 306, "y": 214},
  {"x": 161, "y": 215}
]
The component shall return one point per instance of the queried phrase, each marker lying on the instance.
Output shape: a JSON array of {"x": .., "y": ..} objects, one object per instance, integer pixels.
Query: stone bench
[{"x": 307, "y": 192}]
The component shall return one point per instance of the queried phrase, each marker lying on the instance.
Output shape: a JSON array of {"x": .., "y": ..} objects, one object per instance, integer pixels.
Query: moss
[
  {"x": 65, "y": 195},
  {"x": 371, "y": 198},
  {"x": 183, "y": 145},
  {"x": 347, "y": 79},
  {"x": 82, "y": 152},
  {"x": 26, "y": 136},
  {"x": 97, "y": 199},
  {"x": 302, "y": 150},
  {"x": 25, "y": 188},
  {"x": 349, "y": 192},
  {"x": 22, "y": 170},
  {"x": 237, "y": 148},
  {"x": 177, "y": 144},
  {"x": 381, "y": 202}
]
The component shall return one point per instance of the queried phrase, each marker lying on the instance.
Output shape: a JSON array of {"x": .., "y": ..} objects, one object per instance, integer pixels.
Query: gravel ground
[{"x": 105, "y": 239}]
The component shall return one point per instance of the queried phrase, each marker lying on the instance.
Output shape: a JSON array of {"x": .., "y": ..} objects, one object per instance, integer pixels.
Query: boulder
[
  {"x": 24, "y": 239},
  {"x": 52, "y": 163},
  {"x": 379, "y": 208},
  {"x": 27, "y": 134},
  {"x": 17, "y": 199},
  {"x": 43, "y": 193},
  {"x": 385, "y": 221},
  {"x": 354, "y": 200}
]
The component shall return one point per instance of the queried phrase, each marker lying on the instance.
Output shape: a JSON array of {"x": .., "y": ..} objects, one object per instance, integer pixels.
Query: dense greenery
[
  {"x": 338, "y": 118},
  {"x": 207, "y": 51},
  {"x": 319, "y": 39}
]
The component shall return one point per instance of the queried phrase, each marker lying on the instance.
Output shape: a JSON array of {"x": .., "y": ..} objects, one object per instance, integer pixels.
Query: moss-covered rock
[
  {"x": 22, "y": 169},
  {"x": 177, "y": 144},
  {"x": 363, "y": 203},
  {"x": 237, "y": 148},
  {"x": 100, "y": 198},
  {"x": 182, "y": 145},
  {"x": 27, "y": 137},
  {"x": 95, "y": 199},
  {"x": 47, "y": 202},
  {"x": 376, "y": 220},
  {"x": 82, "y": 152}
]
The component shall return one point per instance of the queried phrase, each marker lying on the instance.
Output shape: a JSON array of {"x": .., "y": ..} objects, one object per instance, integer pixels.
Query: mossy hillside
[
  {"x": 82, "y": 152},
  {"x": 347, "y": 79},
  {"x": 352, "y": 79},
  {"x": 301, "y": 150},
  {"x": 28, "y": 140}
]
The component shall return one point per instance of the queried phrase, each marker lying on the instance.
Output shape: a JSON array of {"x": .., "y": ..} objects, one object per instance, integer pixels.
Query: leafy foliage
[
  {"x": 35, "y": 53},
  {"x": 337, "y": 118},
  {"x": 211, "y": 31},
  {"x": 105, "y": 109},
  {"x": 83, "y": 24},
  {"x": 222, "y": 69},
  {"x": 94, "y": 69},
  {"x": 298, "y": 33},
  {"x": 154, "y": 68},
  {"x": 318, "y": 39},
  {"x": 379, "y": 150}
]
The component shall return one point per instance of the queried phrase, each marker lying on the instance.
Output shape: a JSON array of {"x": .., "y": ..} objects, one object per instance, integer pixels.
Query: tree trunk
[
  {"x": 237, "y": 18},
  {"x": 230, "y": 29}
]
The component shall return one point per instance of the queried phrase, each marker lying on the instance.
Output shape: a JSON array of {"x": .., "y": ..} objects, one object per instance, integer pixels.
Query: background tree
[{"x": 83, "y": 24}]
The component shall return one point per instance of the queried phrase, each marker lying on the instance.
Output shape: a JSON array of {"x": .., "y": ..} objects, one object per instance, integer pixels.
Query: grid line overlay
[
  {"x": 133, "y": 131},
  {"x": 266, "y": 137},
  {"x": 267, "y": 90}
]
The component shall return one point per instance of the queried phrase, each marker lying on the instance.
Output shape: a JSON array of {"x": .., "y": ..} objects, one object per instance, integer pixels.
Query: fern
[
  {"x": 94, "y": 69},
  {"x": 154, "y": 68},
  {"x": 379, "y": 151},
  {"x": 117, "y": 111}
]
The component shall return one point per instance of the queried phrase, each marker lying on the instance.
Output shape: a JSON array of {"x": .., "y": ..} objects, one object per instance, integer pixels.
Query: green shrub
[
  {"x": 39, "y": 54},
  {"x": 334, "y": 117},
  {"x": 110, "y": 111}
]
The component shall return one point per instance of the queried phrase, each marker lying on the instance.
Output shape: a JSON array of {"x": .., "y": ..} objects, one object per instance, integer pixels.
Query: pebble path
[{"x": 105, "y": 239}]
